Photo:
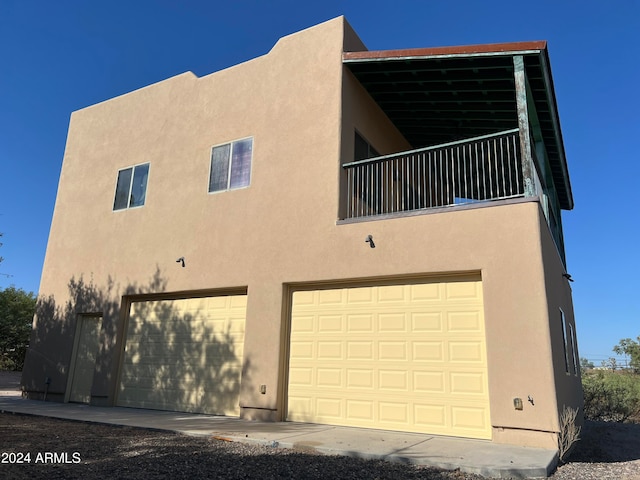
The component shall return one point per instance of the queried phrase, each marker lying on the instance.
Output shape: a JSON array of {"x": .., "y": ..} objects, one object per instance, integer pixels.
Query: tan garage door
[
  {"x": 184, "y": 355},
  {"x": 398, "y": 357}
]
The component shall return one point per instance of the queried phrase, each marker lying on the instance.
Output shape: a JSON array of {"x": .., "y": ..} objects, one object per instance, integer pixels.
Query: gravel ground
[
  {"x": 105, "y": 451},
  {"x": 61, "y": 449},
  {"x": 607, "y": 452}
]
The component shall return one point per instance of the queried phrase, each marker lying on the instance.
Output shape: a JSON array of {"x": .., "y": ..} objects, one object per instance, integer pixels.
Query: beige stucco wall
[
  {"x": 280, "y": 231},
  {"x": 568, "y": 384}
]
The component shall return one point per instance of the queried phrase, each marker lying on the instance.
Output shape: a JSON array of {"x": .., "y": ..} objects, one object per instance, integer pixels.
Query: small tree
[
  {"x": 631, "y": 351},
  {"x": 585, "y": 364},
  {"x": 17, "y": 308},
  {"x": 611, "y": 364}
]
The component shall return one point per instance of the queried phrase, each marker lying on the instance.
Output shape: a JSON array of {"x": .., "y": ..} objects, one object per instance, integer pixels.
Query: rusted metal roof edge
[{"x": 519, "y": 48}]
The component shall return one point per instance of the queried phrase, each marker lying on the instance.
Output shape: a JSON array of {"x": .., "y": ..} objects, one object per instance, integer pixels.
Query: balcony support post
[{"x": 528, "y": 169}]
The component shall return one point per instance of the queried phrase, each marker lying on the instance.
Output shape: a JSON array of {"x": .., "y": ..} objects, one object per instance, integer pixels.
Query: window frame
[
  {"x": 371, "y": 151},
  {"x": 574, "y": 349},
  {"x": 231, "y": 145},
  {"x": 131, "y": 183},
  {"x": 563, "y": 325}
]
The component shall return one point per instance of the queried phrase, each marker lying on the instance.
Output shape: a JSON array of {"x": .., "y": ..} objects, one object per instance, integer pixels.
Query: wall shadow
[
  {"x": 185, "y": 355},
  {"x": 607, "y": 442},
  {"x": 181, "y": 354},
  {"x": 48, "y": 357}
]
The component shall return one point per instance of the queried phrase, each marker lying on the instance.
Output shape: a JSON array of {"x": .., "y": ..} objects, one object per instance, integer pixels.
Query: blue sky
[{"x": 57, "y": 57}]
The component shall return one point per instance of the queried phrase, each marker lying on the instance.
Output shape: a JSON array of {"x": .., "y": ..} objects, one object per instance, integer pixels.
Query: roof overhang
[{"x": 444, "y": 94}]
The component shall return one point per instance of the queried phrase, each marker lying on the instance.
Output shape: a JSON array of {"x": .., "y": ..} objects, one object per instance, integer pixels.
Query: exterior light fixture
[
  {"x": 567, "y": 276},
  {"x": 180, "y": 260},
  {"x": 517, "y": 403},
  {"x": 369, "y": 240}
]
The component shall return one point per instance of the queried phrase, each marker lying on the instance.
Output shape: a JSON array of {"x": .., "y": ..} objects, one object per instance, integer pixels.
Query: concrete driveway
[{"x": 473, "y": 456}]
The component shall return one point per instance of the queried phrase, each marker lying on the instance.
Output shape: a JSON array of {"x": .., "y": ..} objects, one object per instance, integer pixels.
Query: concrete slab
[{"x": 472, "y": 456}]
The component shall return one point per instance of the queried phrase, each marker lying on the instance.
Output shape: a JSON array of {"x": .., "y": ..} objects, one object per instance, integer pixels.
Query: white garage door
[
  {"x": 406, "y": 357},
  {"x": 184, "y": 355}
]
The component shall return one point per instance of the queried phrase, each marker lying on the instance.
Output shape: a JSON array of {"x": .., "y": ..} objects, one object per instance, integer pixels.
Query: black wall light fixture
[
  {"x": 180, "y": 260},
  {"x": 369, "y": 240}
]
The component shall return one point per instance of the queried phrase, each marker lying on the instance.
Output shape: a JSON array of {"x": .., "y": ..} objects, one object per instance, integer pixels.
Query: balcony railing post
[{"x": 528, "y": 169}]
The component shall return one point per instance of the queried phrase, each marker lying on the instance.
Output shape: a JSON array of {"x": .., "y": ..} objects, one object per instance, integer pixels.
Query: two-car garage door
[
  {"x": 408, "y": 357},
  {"x": 184, "y": 355}
]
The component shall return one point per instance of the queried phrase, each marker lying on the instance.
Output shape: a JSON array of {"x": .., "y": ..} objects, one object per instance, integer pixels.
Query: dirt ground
[{"x": 67, "y": 449}]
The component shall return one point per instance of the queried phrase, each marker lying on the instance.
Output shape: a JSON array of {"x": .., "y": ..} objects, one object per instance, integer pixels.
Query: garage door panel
[
  {"x": 302, "y": 350},
  {"x": 359, "y": 296},
  {"x": 394, "y": 413},
  {"x": 402, "y": 357},
  {"x": 184, "y": 355},
  {"x": 303, "y": 298},
  {"x": 358, "y": 379},
  {"x": 360, "y": 323},
  {"x": 393, "y": 322},
  {"x": 361, "y": 411},
  {"x": 465, "y": 383},
  {"x": 301, "y": 376},
  {"x": 466, "y": 352},
  {"x": 392, "y": 351},
  {"x": 469, "y": 417},
  {"x": 392, "y": 294},
  {"x": 393, "y": 380},
  {"x": 328, "y": 378},
  {"x": 463, "y": 290},
  {"x": 429, "y": 382},
  {"x": 426, "y": 292},
  {"x": 428, "y": 351},
  {"x": 330, "y": 323},
  {"x": 460, "y": 321},
  {"x": 362, "y": 350},
  {"x": 329, "y": 297},
  {"x": 426, "y": 322},
  {"x": 431, "y": 417},
  {"x": 329, "y": 408},
  {"x": 330, "y": 351},
  {"x": 305, "y": 323}
]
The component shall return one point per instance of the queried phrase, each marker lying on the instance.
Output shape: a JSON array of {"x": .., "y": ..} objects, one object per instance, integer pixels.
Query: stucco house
[{"x": 323, "y": 234}]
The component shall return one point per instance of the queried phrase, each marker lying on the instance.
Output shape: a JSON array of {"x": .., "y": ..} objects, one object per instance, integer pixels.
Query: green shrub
[
  {"x": 611, "y": 396},
  {"x": 16, "y": 313}
]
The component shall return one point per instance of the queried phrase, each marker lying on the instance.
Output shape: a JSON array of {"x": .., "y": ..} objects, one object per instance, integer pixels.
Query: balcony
[
  {"x": 471, "y": 171},
  {"x": 480, "y": 169},
  {"x": 434, "y": 98}
]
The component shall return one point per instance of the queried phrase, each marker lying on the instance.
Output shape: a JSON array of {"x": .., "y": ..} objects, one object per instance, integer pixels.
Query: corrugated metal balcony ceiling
[{"x": 439, "y": 95}]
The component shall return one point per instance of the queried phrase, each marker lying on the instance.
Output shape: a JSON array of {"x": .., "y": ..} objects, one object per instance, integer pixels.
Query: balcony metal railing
[{"x": 473, "y": 170}]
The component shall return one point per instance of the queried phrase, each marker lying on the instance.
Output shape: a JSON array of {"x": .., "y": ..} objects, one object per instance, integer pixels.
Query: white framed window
[
  {"x": 231, "y": 165},
  {"x": 131, "y": 187},
  {"x": 563, "y": 325}
]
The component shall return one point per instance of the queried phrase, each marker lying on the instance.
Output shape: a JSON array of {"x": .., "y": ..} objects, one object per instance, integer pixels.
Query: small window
[
  {"x": 574, "y": 349},
  {"x": 131, "y": 189},
  {"x": 363, "y": 149},
  {"x": 231, "y": 165},
  {"x": 563, "y": 325}
]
